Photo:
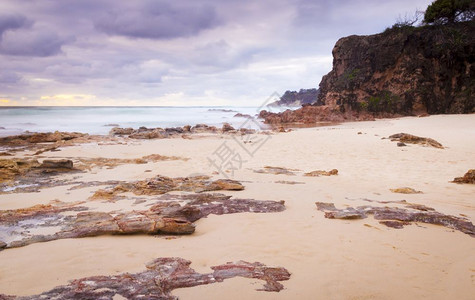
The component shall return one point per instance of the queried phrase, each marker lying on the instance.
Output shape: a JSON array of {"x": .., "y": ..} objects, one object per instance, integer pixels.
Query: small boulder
[
  {"x": 57, "y": 164},
  {"x": 469, "y": 177}
]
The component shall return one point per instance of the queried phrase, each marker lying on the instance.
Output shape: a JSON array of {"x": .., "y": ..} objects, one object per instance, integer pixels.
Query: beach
[{"x": 327, "y": 258}]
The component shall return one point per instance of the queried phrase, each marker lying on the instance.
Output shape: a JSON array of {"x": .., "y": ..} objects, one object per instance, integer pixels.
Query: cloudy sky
[{"x": 196, "y": 52}]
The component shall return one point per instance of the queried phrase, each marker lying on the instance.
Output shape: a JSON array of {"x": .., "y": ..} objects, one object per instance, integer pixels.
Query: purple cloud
[
  {"x": 9, "y": 22},
  {"x": 159, "y": 20}
]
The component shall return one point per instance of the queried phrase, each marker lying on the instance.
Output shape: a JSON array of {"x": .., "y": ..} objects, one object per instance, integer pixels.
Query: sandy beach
[{"x": 327, "y": 258}]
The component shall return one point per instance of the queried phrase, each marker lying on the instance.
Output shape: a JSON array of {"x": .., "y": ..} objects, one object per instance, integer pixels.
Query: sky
[{"x": 179, "y": 53}]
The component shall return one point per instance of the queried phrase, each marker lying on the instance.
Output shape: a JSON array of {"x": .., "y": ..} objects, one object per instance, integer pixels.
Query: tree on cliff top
[{"x": 449, "y": 11}]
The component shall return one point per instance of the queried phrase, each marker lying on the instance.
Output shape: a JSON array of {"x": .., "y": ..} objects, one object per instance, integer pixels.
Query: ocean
[{"x": 99, "y": 120}]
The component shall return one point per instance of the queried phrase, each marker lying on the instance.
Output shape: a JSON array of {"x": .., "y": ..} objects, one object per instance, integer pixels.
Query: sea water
[{"x": 99, "y": 120}]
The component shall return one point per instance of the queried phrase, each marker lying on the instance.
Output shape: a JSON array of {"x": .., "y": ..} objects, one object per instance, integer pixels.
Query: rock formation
[
  {"x": 412, "y": 139},
  {"x": 162, "y": 133},
  {"x": 322, "y": 173},
  {"x": 399, "y": 217},
  {"x": 294, "y": 98},
  {"x": 162, "y": 184},
  {"x": 163, "y": 275},
  {"x": 402, "y": 71},
  {"x": 469, "y": 177},
  {"x": 171, "y": 214}
]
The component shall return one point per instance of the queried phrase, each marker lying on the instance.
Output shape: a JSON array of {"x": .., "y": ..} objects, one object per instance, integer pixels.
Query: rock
[
  {"x": 400, "y": 144},
  {"x": 35, "y": 138},
  {"x": 412, "y": 139},
  {"x": 5, "y": 154},
  {"x": 240, "y": 115},
  {"x": 187, "y": 128},
  {"x": 171, "y": 214},
  {"x": 405, "y": 190},
  {"x": 276, "y": 171},
  {"x": 121, "y": 131},
  {"x": 162, "y": 184},
  {"x": 322, "y": 173},
  {"x": 111, "y": 125},
  {"x": 57, "y": 164},
  {"x": 398, "y": 72},
  {"x": 399, "y": 217},
  {"x": 469, "y": 177},
  {"x": 227, "y": 127},
  {"x": 162, "y": 276},
  {"x": 2, "y": 245},
  {"x": 203, "y": 128}
]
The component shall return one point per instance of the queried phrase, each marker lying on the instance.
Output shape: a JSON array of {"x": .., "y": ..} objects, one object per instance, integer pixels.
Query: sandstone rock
[
  {"x": 57, "y": 164},
  {"x": 405, "y": 190},
  {"x": 322, "y": 173},
  {"x": 276, "y": 171},
  {"x": 172, "y": 214},
  {"x": 121, "y": 131},
  {"x": 398, "y": 217},
  {"x": 469, "y": 177},
  {"x": 227, "y": 127},
  {"x": 400, "y": 144},
  {"x": 400, "y": 71},
  {"x": 162, "y": 184},
  {"x": 412, "y": 139},
  {"x": 162, "y": 276},
  {"x": 5, "y": 154}
]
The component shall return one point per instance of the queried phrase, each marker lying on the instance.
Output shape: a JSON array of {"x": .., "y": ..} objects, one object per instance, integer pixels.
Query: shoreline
[{"x": 329, "y": 258}]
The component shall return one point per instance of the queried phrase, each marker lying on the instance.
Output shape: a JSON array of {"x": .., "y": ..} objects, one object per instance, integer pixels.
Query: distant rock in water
[
  {"x": 402, "y": 71},
  {"x": 294, "y": 98},
  {"x": 469, "y": 177}
]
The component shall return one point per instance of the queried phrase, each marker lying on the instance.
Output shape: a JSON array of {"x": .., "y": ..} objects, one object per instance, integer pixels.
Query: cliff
[{"x": 402, "y": 71}]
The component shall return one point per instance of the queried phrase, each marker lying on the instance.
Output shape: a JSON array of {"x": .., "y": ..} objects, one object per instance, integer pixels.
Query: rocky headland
[{"x": 403, "y": 71}]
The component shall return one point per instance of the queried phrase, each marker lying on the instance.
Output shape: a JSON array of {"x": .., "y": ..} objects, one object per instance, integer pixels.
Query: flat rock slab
[
  {"x": 173, "y": 214},
  {"x": 163, "y": 275},
  {"x": 162, "y": 184},
  {"x": 396, "y": 217},
  {"x": 405, "y": 138}
]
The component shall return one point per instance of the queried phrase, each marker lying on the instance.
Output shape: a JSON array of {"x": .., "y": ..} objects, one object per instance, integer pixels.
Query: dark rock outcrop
[
  {"x": 399, "y": 217},
  {"x": 402, "y": 71},
  {"x": 163, "y": 275},
  {"x": 294, "y": 98}
]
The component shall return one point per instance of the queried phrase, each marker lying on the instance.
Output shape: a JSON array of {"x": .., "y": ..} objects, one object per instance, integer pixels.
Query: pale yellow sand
[{"x": 328, "y": 259}]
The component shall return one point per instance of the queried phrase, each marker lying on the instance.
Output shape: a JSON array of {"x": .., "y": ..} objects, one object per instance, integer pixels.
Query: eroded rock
[
  {"x": 399, "y": 217},
  {"x": 162, "y": 184},
  {"x": 276, "y": 171},
  {"x": 163, "y": 275},
  {"x": 412, "y": 139},
  {"x": 172, "y": 214},
  {"x": 405, "y": 190},
  {"x": 469, "y": 177},
  {"x": 322, "y": 173}
]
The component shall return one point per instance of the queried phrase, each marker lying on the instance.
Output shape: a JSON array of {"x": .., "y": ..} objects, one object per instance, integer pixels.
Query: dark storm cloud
[
  {"x": 36, "y": 42},
  {"x": 158, "y": 20},
  {"x": 8, "y": 22}
]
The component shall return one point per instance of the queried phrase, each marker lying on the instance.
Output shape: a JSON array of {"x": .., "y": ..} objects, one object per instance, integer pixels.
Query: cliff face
[{"x": 404, "y": 71}]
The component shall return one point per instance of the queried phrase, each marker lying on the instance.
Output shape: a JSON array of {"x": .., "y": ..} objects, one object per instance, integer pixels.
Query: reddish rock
[
  {"x": 163, "y": 275},
  {"x": 469, "y": 177},
  {"x": 398, "y": 217},
  {"x": 168, "y": 216}
]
